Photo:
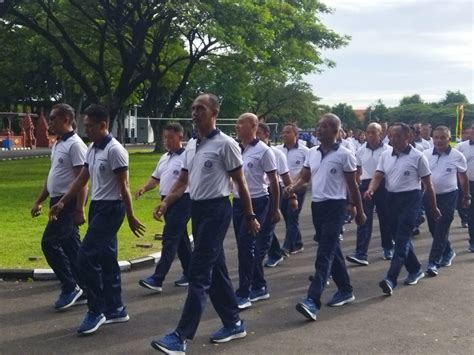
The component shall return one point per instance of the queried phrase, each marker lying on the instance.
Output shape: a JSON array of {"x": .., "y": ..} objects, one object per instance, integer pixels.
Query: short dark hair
[
  {"x": 65, "y": 110},
  {"x": 264, "y": 127},
  {"x": 404, "y": 127},
  {"x": 292, "y": 125},
  {"x": 212, "y": 100},
  {"x": 97, "y": 113},
  {"x": 175, "y": 127}
]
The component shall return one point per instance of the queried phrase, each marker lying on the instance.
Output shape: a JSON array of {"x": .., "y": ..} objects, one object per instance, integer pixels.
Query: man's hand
[
  {"x": 276, "y": 216},
  {"x": 55, "y": 210},
  {"x": 360, "y": 218},
  {"x": 79, "y": 217},
  {"x": 253, "y": 226},
  {"x": 136, "y": 226},
  {"x": 436, "y": 214},
  {"x": 293, "y": 204},
  {"x": 368, "y": 195},
  {"x": 351, "y": 210},
  {"x": 466, "y": 201},
  {"x": 160, "y": 210},
  {"x": 139, "y": 192},
  {"x": 36, "y": 209}
]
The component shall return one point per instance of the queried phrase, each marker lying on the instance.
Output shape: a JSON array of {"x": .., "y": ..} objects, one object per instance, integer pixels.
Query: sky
[{"x": 398, "y": 48}]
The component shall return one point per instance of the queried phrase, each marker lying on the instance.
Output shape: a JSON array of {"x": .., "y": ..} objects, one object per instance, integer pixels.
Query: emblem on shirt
[
  {"x": 406, "y": 173},
  {"x": 60, "y": 160},
  {"x": 208, "y": 164},
  {"x": 449, "y": 170},
  {"x": 250, "y": 165},
  {"x": 101, "y": 167},
  {"x": 298, "y": 162},
  {"x": 333, "y": 171},
  {"x": 175, "y": 172}
]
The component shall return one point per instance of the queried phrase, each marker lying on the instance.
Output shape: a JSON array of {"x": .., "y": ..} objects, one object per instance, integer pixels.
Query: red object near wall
[{"x": 41, "y": 132}]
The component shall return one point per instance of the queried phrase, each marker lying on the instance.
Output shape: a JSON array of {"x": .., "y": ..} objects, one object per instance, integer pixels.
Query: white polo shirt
[
  {"x": 167, "y": 170},
  {"x": 467, "y": 149},
  {"x": 403, "y": 172},
  {"x": 295, "y": 157},
  {"x": 208, "y": 162},
  {"x": 385, "y": 140},
  {"x": 444, "y": 168},
  {"x": 418, "y": 146},
  {"x": 328, "y": 181},
  {"x": 429, "y": 141},
  {"x": 368, "y": 159},
  {"x": 258, "y": 160},
  {"x": 67, "y": 153},
  {"x": 280, "y": 158},
  {"x": 104, "y": 160}
]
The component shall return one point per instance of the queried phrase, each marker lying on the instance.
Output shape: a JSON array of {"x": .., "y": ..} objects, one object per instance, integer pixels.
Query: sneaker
[
  {"x": 308, "y": 308},
  {"x": 341, "y": 298},
  {"x": 273, "y": 262},
  {"x": 432, "y": 270},
  {"x": 182, "y": 281},
  {"x": 259, "y": 295},
  {"x": 91, "y": 323},
  {"x": 357, "y": 260},
  {"x": 386, "y": 286},
  {"x": 471, "y": 248},
  {"x": 151, "y": 284},
  {"x": 448, "y": 260},
  {"x": 118, "y": 315},
  {"x": 285, "y": 253},
  {"x": 416, "y": 231},
  {"x": 412, "y": 279},
  {"x": 243, "y": 302},
  {"x": 297, "y": 250},
  {"x": 81, "y": 300},
  {"x": 66, "y": 300},
  {"x": 170, "y": 344},
  {"x": 464, "y": 225},
  {"x": 387, "y": 254},
  {"x": 226, "y": 334}
]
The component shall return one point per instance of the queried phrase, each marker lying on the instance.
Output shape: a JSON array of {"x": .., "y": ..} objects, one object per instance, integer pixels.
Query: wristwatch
[{"x": 251, "y": 217}]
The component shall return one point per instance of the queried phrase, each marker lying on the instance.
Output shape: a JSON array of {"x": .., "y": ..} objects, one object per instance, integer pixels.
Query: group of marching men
[{"x": 392, "y": 168}]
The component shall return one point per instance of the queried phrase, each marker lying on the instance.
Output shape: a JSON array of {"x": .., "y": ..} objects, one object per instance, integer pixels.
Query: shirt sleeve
[
  {"x": 118, "y": 157},
  {"x": 349, "y": 163},
  {"x": 461, "y": 163},
  {"x": 308, "y": 158},
  {"x": 232, "y": 156},
  {"x": 158, "y": 169},
  {"x": 282, "y": 165},
  {"x": 358, "y": 159},
  {"x": 77, "y": 153},
  {"x": 269, "y": 161},
  {"x": 380, "y": 166},
  {"x": 423, "y": 167},
  {"x": 88, "y": 157}
]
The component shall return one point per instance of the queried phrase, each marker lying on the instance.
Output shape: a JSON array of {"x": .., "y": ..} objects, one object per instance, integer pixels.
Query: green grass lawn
[{"x": 20, "y": 235}]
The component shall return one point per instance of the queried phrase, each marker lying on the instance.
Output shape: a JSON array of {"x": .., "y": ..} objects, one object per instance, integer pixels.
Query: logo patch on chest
[
  {"x": 250, "y": 164},
  {"x": 60, "y": 160},
  {"x": 449, "y": 170},
  {"x": 406, "y": 173},
  {"x": 102, "y": 167},
  {"x": 333, "y": 171},
  {"x": 208, "y": 164},
  {"x": 298, "y": 162},
  {"x": 175, "y": 172}
]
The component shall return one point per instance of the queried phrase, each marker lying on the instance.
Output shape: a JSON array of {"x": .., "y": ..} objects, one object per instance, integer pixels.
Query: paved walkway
[{"x": 434, "y": 317}]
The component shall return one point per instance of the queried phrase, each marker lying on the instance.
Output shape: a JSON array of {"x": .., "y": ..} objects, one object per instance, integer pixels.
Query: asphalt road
[{"x": 433, "y": 317}]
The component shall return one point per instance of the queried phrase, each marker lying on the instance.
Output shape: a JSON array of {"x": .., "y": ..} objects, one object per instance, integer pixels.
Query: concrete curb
[{"x": 48, "y": 274}]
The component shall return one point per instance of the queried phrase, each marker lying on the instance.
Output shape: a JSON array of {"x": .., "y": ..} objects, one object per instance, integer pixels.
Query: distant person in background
[
  {"x": 106, "y": 164},
  {"x": 418, "y": 139},
  {"x": 175, "y": 233},
  {"x": 360, "y": 141},
  {"x": 462, "y": 212},
  {"x": 61, "y": 240},
  {"x": 426, "y": 134},
  {"x": 385, "y": 132}
]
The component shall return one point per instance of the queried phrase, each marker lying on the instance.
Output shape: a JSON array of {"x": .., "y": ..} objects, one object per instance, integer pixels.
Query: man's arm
[
  {"x": 37, "y": 205},
  {"x": 293, "y": 203},
  {"x": 79, "y": 215},
  {"x": 301, "y": 180},
  {"x": 430, "y": 194},
  {"x": 275, "y": 197},
  {"x": 79, "y": 182},
  {"x": 239, "y": 179},
  {"x": 149, "y": 185},
  {"x": 374, "y": 184},
  {"x": 135, "y": 225},
  {"x": 358, "y": 174},
  {"x": 354, "y": 197},
  {"x": 176, "y": 192},
  {"x": 464, "y": 182}
]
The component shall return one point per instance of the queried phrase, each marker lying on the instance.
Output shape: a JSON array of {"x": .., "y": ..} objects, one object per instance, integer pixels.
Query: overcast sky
[{"x": 398, "y": 48}]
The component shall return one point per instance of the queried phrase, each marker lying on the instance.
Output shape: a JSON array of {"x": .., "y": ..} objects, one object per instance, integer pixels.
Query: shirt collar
[
  {"x": 210, "y": 135},
  {"x": 178, "y": 152},
  {"x": 66, "y": 136},
  {"x": 435, "y": 152},
  {"x": 103, "y": 143},
  {"x": 333, "y": 147},
  {"x": 295, "y": 146},
  {"x": 380, "y": 145},
  {"x": 404, "y": 151},
  {"x": 253, "y": 143}
]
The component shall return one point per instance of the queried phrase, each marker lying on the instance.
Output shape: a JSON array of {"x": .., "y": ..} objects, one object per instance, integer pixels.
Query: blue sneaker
[
  {"x": 91, "y": 323},
  {"x": 412, "y": 279},
  {"x": 151, "y": 284},
  {"x": 259, "y": 295},
  {"x": 119, "y": 315},
  {"x": 66, "y": 300},
  {"x": 273, "y": 262},
  {"x": 432, "y": 270},
  {"x": 243, "y": 302},
  {"x": 387, "y": 254},
  {"x": 341, "y": 298},
  {"x": 226, "y": 334},
  {"x": 307, "y": 307},
  {"x": 355, "y": 259},
  {"x": 182, "y": 281},
  {"x": 448, "y": 259},
  {"x": 170, "y": 344},
  {"x": 471, "y": 248},
  {"x": 386, "y": 286}
]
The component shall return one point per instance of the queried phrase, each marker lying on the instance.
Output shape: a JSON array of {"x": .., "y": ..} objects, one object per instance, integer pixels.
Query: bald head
[
  {"x": 250, "y": 118},
  {"x": 246, "y": 127},
  {"x": 375, "y": 125},
  {"x": 373, "y": 134}
]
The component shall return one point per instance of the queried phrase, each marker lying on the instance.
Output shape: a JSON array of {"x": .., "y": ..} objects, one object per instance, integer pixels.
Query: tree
[
  {"x": 454, "y": 98},
  {"x": 347, "y": 115},
  {"x": 410, "y": 100},
  {"x": 376, "y": 112}
]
